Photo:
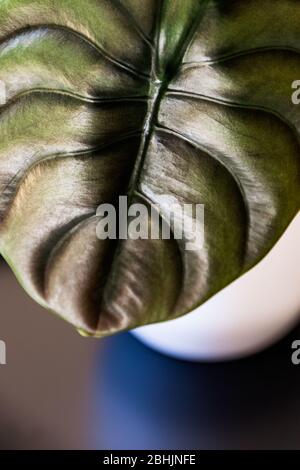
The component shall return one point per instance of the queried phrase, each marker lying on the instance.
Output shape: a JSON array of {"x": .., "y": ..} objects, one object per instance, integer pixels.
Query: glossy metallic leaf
[{"x": 185, "y": 98}]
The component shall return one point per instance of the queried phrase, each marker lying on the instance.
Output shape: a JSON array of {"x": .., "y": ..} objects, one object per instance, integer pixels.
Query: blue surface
[{"x": 143, "y": 400}]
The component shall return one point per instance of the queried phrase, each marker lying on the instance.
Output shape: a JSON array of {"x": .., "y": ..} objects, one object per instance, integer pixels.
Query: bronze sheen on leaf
[{"x": 189, "y": 98}]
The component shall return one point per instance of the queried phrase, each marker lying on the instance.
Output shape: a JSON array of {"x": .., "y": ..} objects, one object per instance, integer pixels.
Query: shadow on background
[{"x": 143, "y": 400}]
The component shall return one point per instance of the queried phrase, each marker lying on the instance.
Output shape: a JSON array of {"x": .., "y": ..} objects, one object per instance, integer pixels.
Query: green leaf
[{"x": 185, "y": 98}]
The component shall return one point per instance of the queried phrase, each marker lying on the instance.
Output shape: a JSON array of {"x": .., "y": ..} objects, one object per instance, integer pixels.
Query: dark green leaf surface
[{"x": 185, "y": 98}]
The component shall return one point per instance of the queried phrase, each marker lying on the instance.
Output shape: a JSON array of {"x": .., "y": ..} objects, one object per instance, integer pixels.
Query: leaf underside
[{"x": 186, "y": 98}]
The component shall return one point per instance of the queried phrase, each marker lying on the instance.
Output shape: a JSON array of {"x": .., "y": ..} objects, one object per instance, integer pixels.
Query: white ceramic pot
[{"x": 252, "y": 313}]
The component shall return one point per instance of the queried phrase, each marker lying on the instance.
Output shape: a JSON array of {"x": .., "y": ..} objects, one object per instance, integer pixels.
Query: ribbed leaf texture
[{"x": 186, "y": 98}]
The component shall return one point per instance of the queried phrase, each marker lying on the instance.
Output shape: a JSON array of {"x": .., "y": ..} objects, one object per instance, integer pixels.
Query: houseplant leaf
[{"x": 185, "y": 98}]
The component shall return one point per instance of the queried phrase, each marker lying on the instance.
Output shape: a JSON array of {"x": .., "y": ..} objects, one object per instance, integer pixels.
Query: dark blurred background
[{"x": 61, "y": 391}]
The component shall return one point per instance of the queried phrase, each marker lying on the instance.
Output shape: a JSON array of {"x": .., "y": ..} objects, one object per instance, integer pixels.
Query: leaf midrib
[{"x": 158, "y": 86}]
